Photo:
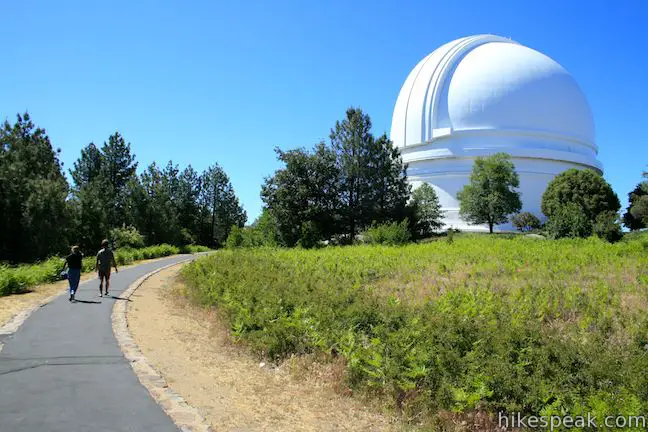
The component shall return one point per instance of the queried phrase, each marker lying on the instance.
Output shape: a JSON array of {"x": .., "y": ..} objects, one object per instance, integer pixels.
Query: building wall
[{"x": 446, "y": 164}]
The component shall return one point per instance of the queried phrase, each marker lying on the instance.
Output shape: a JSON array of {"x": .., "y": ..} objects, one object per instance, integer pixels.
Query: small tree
[
  {"x": 490, "y": 196},
  {"x": 525, "y": 221},
  {"x": 426, "y": 211}
]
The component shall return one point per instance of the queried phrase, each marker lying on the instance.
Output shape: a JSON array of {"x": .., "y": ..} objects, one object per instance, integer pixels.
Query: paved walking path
[{"x": 63, "y": 370}]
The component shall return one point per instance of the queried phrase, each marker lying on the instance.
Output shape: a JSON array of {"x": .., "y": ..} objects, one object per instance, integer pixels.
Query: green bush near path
[
  {"x": 17, "y": 279},
  {"x": 542, "y": 327}
]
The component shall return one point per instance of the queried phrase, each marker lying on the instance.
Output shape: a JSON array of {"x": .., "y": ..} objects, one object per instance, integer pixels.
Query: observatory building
[{"x": 484, "y": 94}]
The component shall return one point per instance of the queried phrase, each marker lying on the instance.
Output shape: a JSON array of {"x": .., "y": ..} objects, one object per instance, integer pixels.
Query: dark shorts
[{"x": 104, "y": 274}]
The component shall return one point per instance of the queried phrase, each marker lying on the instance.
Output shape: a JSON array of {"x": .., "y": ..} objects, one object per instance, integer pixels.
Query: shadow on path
[
  {"x": 121, "y": 298},
  {"x": 86, "y": 301}
]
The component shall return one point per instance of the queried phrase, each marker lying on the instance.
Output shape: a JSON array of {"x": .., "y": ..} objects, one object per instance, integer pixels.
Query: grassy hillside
[{"x": 511, "y": 324}]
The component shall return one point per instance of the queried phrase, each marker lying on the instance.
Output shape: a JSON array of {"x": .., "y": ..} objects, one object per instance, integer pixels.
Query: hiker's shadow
[
  {"x": 121, "y": 298},
  {"x": 86, "y": 301}
]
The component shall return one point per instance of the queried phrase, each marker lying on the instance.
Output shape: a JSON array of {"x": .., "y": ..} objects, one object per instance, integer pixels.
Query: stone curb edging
[{"x": 186, "y": 417}]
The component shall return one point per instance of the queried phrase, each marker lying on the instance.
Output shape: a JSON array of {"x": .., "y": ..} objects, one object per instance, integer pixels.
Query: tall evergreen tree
[
  {"x": 187, "y": 204},
  {"x": 351, "y": 139},
  {"x": 220, "y": 203},
  {"x": 90, "y": 198},
  {"x": 88, "y": 167},
  {"x": 33, "y": 211},
  {"x": 388, "y": 187},
  {"x": 118, "y": 167},
  {"x": 160, "y": 222},
  {"x": 372, "y": 180}
]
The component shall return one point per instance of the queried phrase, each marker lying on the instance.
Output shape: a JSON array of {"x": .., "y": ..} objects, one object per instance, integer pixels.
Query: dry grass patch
[{"x": 194, "y": 352}]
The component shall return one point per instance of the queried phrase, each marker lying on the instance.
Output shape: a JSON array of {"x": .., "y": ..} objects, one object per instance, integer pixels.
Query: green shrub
[
  {"x": 450, "y": 236},
  {"x": 569, "y": 220},
  {"x": 235, "y": 238},
  {"x": 249, "y": 236},
  {"x": 310, "y": 235},
  {"x": 525, "y": 222},
  {"x": 126, "y": 237},
  {"x": 192, "y": 249},
  {"x": 394, "y": 233},
  {"x": 608, "y": 227},
  {"x": 186, "y": 238},
  {"x": 498, "y": 323}
]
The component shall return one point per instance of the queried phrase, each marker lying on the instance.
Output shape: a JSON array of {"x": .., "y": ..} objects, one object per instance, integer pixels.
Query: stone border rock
[{"x": 186, "y": 417}]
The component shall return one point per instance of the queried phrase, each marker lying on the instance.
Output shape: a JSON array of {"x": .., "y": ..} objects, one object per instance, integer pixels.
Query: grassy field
[
  {"x": 16, "y": 279},
  {"x": 484, "y": 323}
]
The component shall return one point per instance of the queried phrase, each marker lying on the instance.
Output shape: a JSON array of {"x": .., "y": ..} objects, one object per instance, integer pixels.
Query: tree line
[
  {"x": 351, "y": 184},
  {"x": 340, "y": 188},
  {"x": 41, "y": 214},
  {"x": 357, "y": 181},
  {"x": 576, "y": 203}
]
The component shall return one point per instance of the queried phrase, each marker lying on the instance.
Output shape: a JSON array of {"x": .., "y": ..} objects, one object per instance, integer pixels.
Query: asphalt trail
[{"x": 63, "y": 370}]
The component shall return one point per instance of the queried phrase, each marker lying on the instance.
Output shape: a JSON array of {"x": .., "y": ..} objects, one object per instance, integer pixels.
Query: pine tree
[
  {"x": 388, "y": 187},
  {"x": 34, "y": 217},
  {"x": 187, "y": 204},
  {"x": 118, "y": 167},
  {"x": 89, "y": 201},
  {"x": 351, "y": 139},
  {"x": 160, "y": 221},
  {"x": 372, "y": 178},
  {"x": 220, "y": 205},
  {"x": 88, "y": 167}
]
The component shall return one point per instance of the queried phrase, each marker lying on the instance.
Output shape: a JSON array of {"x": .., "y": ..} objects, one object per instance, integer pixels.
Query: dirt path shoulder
[{"x": 191, "y": 350}]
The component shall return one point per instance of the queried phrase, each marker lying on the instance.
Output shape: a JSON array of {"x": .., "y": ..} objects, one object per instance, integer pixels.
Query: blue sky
[{"x": 210, "y": 81}]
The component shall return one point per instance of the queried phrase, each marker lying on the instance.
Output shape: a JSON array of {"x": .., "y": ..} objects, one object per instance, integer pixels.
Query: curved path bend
[{"x": 63, "y": 370}]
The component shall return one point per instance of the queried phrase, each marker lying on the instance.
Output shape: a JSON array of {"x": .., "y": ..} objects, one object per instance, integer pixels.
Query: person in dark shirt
[{"x": 73, "y": 263}]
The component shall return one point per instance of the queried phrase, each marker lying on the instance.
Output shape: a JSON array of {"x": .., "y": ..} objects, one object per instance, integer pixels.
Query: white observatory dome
[{"x": 484, "y": 94}]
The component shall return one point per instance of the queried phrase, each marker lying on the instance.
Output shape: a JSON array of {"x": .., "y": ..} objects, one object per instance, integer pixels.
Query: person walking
[
  {"x": 105, "y": 260},
  {"x": 73, "y": 263}
]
